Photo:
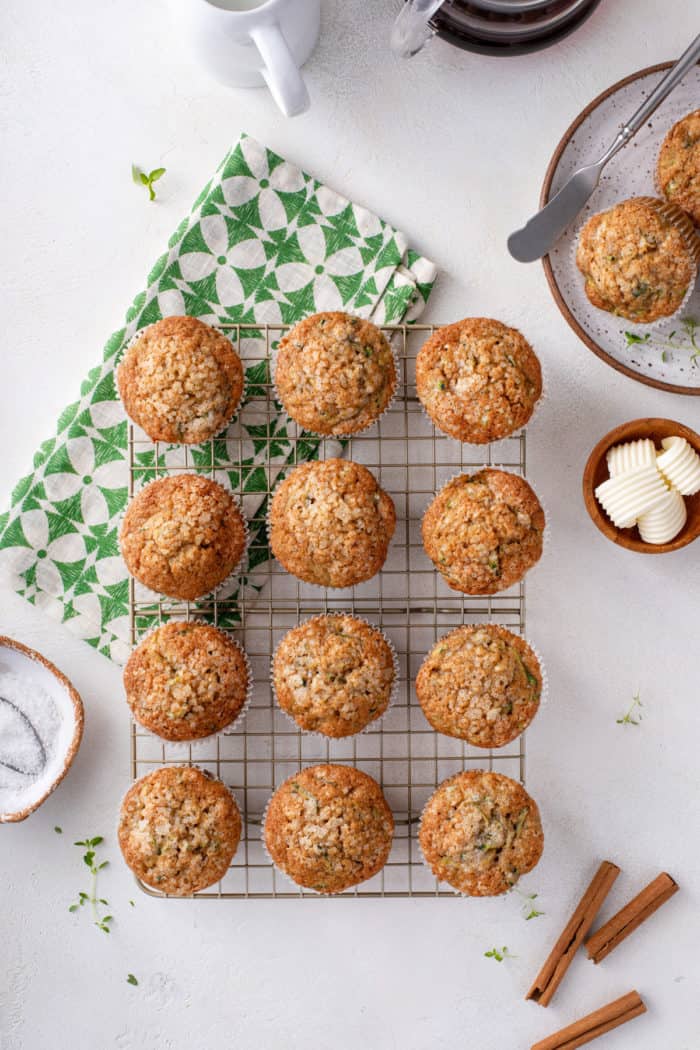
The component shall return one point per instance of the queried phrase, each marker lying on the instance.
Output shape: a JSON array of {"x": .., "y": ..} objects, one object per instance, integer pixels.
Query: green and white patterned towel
[{"x": 264, "y": 242}]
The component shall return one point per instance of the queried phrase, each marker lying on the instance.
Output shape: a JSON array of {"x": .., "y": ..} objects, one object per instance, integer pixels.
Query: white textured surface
[{"x": 453, "y": 148}]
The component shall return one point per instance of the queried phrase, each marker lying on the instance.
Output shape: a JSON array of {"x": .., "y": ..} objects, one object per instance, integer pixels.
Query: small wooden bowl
[
  {"x": 596, "y": 472},
  {"x": 78, "y": 715}
]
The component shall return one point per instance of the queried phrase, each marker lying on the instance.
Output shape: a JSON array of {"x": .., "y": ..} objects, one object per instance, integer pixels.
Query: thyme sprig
[
  {"x": 499, "y": 954},
  {"x": 633, "y": 715},
  {"x": 685, "y": 338},
  {"x": 529, "y": 911},
  {"x": 95, "y": 866}
]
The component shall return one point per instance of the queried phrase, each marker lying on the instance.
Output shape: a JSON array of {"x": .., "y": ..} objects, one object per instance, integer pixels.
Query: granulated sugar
[{"x": 36, "y": 730}]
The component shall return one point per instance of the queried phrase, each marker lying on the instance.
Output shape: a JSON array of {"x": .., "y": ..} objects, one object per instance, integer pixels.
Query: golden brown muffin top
[
  {"x": 329, "y": 827},
  {"x": 331, "y": 523},
  {"x": 186, "y": 681},
  {"x": 484, "y": 531},
  {"x": 637, "y": 261},
  {"x": 480, "y": 832},
  {"x": 335, "y": 373},
  {"x": 678, "y": 168},
  {"x": 180, "y": 380},
  {"x": 334, "y": 674},
  {"x": 478, "y": 379},
  {"x": 481, "y": 684},
  {"x": 179, "y": 829},
  {"x": 182, "y": 535}
]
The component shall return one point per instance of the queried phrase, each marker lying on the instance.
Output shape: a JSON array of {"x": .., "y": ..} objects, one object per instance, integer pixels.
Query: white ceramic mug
[{"x": 246, "y": 43}]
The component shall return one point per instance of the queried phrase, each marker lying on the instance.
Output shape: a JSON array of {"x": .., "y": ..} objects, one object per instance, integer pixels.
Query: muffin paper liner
[
  {"x": 485, "y": 444},
  {"x": 184, "y": 747},
  {"x": 360, "y": 430},
  {"x": 444, "y": 882},
  {"x": 210, "y": 776},
  {"x": 310, "y": 889},
  {"x": 673, "y": 214},
  {"x": 544, "y": 691},
  {"x": 179, "y": 444},
  {"x": 310, "y": 583},
  {"x": 545, "y": 530},
  {"x": 236, "y": 572},
  {"x": 375, "y": 723}
]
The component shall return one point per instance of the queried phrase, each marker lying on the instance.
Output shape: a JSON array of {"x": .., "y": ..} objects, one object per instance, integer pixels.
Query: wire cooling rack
[{"x": 408, "y": 600}]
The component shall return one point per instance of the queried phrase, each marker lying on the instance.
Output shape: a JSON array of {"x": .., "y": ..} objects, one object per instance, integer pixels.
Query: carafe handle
[{"x": 281, "y": 73}]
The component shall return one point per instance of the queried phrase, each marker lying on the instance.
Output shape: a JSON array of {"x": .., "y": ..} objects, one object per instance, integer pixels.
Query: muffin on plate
[
  {"x": 478, "y": 380},
  {"x": 334, "y": 674},
  {"x": 484, "y": 531},
  {"x": 182, "y": 536},
  {"x": 180, "y": 380},
  {"x": 678, "y": 168},
  {"x": 335, "y": 373},
  {"x": 179, "y": 829},
  {"x": 330, "y": 523},
  {"x": 481, "y": 684},
  {"x": 639, "y": 259},
  {"x": 186, "y": 681},
  {"x": 480, "y": 832},
  {"x": 329, "y": 827}
]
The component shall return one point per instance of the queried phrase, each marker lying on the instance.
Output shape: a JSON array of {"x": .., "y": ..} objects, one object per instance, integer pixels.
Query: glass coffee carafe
[{"x": 492, "y": 27}]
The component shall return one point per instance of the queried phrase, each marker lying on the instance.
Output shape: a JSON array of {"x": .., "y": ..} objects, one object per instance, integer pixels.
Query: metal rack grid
[{"x": 408, "y": 600}]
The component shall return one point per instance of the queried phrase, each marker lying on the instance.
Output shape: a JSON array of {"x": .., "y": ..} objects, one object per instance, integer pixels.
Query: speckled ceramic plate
[{"x": 661, "y": 354}]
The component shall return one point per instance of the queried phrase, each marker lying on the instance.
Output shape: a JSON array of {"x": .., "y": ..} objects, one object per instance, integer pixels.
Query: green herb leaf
[
  {"x": 59, "y": 831},
  {"x": 633, "y": 715},
  {"x": 130, "y": 979},
  {"x": 156, "y": 174},
  {"x": 73, "y": 907}
]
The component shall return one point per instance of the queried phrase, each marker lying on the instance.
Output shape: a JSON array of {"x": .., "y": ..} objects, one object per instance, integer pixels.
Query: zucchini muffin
[
  {"x": 484, "y": 531},
  {"x": 334, "y": 674},
  {"x": 186, "y": 681},
  {"x": 330, "y": 523},
  {"x": 481, "y": 684},
  {"x": 478, "y": 380},
  {"x": 180, "y": 381},
  {"x": 179, "y": 829},
  {"x": 329, "y": 827},
  {"x": 678, "y": 169},
  {"x": 335, "y": 373},
  {"x": 480, "y": 832},
  {"x": 182, "y": 536},
  {"x": 639, "y": 259}
]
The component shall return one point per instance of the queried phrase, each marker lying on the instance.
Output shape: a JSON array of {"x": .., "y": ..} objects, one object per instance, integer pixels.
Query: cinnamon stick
[
  {"x": 559, "y": 959},
  {"x": 610, "y": 1016},
  {"x": 615, "y": 930}
]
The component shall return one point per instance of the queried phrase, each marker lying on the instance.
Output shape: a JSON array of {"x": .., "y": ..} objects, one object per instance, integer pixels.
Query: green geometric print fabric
[{"x": 263, "y": 243}]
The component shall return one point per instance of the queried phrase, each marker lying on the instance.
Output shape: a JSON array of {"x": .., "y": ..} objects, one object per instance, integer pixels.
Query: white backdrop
[{"x": 452, "y": 148}]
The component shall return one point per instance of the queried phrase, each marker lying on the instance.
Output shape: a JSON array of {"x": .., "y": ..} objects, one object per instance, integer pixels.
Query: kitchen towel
[{"x": 264, "y": 242}]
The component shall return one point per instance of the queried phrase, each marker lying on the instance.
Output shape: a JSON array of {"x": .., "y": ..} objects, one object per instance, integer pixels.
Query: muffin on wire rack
[
  {"x": 335, "y": 373},
  {"x": 180, "y": 380},
  {"x": 186, "y": 681},
  {"x": 484, "y": 531},
  {"x": 480, "y": 832},
  {"x": 639, "y": 259},
  {"x": 334, "y": 674},
  {"x": 179, "y": 829},
  {"x": 182, "y": 536},
  {"x": 481, "y": 684},
  {"x": 329, "y": 827},
  {"x": 678, "y": 168},
  {"x": 478, "y": 380},
  {"x": 330, "y": 523}
]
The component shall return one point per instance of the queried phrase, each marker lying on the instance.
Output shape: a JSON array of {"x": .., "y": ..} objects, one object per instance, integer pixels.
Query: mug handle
[{"x": 281, "y": 73}]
